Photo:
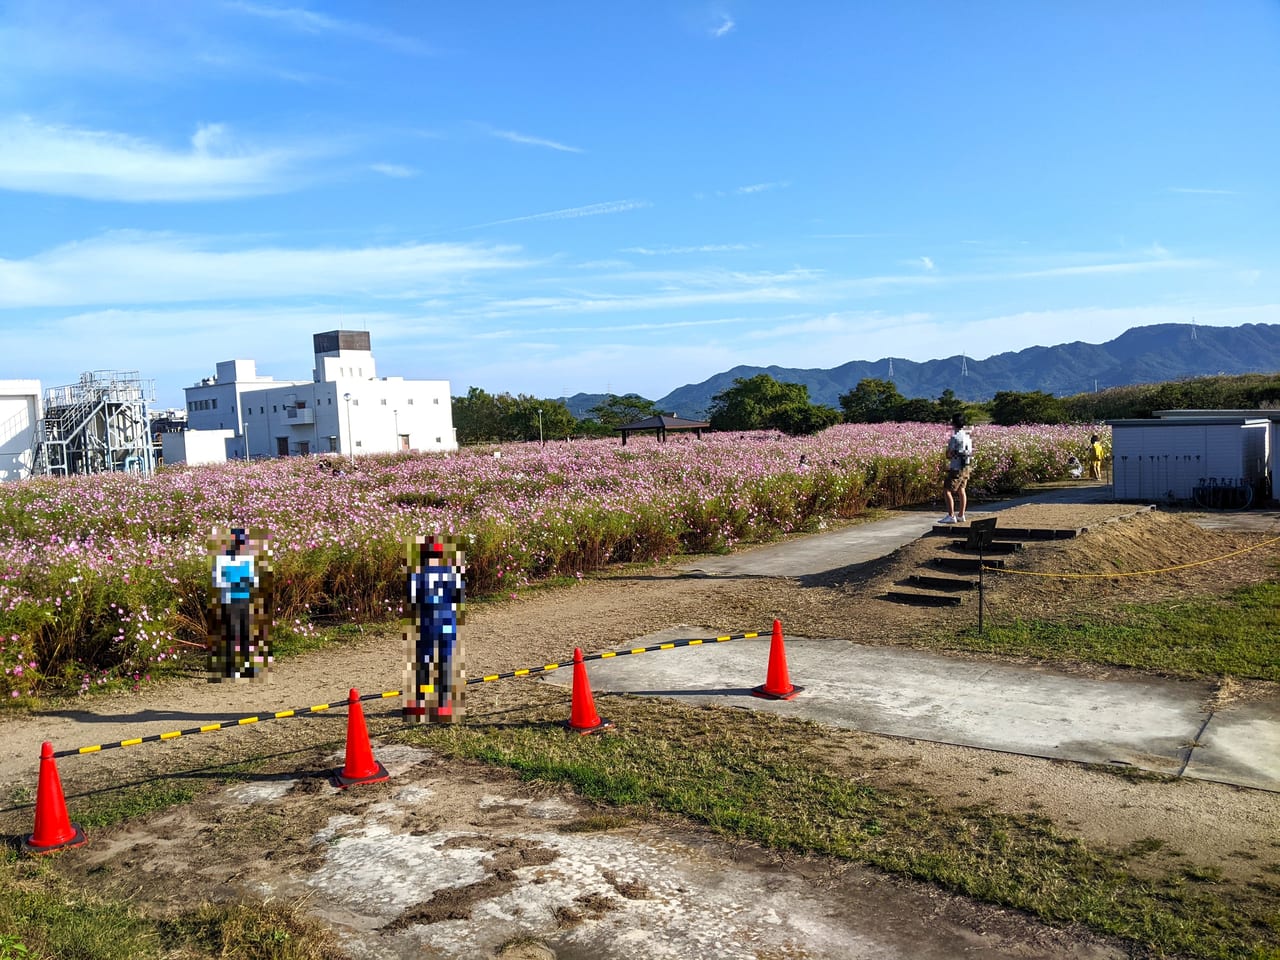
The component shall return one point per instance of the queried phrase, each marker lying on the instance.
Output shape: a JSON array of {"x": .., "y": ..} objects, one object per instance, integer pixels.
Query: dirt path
[{"x": 1227, "y": 829}]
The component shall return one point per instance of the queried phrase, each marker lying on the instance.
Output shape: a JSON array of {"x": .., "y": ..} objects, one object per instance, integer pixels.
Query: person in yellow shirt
[{"x": 1096, "y": 456}]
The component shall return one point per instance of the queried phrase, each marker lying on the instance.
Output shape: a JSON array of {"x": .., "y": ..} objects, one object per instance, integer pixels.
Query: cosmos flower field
[{"x": 103, "y": 577}]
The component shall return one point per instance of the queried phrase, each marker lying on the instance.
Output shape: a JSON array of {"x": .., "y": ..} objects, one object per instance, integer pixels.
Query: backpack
[{"x": 960, "y": 449}]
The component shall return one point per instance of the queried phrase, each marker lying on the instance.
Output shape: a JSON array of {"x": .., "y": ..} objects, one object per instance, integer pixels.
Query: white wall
[
  {"x": 1275, "y": 460},
  {"x": 194, "y": 447},
  {"x": 293, "y": 417},
  {"x": 1158, "y": 459},
  {"x": 381, "y": 415},
  {"x": 20, "y": 412},
  {"x": 219, "y": 404}
]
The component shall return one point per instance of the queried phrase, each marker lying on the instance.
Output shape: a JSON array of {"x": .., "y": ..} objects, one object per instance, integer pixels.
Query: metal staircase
[{"x": 98, "y": 425}]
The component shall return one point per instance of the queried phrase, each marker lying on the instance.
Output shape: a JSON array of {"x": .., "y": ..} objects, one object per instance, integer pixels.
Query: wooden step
[
  {"x": 997, "y": 547},
  {"x": 957, "y": 531},
  {"x": 967, "y": 564},
  {"x": 927, "y": 582},
  {"x": 924, "y": 599}
]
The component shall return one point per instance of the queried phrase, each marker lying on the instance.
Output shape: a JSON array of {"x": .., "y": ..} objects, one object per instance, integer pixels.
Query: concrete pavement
[
  {"x": 863, "y": 542},
  {"x": 1165, "y": 726}
]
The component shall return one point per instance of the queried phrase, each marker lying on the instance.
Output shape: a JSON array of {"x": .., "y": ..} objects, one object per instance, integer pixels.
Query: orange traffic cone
[
  {"x": 54, "y": 829},
  {"x": 583, "y": 717},
  {"x": 777, "y": 684},
  {"x": 361, "y": 767}
]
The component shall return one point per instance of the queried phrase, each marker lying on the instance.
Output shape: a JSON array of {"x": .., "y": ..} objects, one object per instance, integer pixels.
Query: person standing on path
[
  {"x": 242, "y": 650},
  {"x": 1096, "y": 456},
  {"x": 960, "y": 456},
  {"x": 434, "y": 675}
]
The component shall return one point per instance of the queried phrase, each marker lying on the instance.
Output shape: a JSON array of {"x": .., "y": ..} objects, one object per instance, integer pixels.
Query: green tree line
[
  {"x": 763, "y": 403},
  {"x": 482, "y": 417}
]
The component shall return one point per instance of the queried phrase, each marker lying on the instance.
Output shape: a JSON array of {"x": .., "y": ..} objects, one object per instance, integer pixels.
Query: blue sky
[{"x": 564, "y": 196}]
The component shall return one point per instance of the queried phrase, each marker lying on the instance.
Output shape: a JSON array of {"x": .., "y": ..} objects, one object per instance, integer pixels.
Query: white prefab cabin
[{"x": 1168, "y": 458}]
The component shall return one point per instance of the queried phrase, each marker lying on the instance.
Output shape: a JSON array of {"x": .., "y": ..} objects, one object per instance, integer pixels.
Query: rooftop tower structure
[{"x": 343, "y": 355}]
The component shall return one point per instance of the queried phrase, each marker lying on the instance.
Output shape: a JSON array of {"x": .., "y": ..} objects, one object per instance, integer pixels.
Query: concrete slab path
[
  {"x": 1164, "y": 726},
  {"x": 1159, "y": 725},
  {"x": 863, "y": 542}
]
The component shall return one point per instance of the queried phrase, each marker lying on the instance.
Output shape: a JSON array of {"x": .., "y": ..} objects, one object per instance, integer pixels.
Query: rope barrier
[
  {"x": 1132, "y": 573},
  {"x": 212, "y": 727},
  {"x": 669, "y": 645},
  {"x": 321, "y": 708}
]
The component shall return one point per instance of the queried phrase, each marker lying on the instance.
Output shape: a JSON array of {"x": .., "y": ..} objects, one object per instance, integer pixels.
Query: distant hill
[
  {"x": 580, "y": 404},
  {"x": 1167, "y": 351}
]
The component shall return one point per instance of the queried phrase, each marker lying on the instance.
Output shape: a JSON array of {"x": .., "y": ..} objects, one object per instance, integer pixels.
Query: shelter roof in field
[
  {"x": 665, "y": 422},
  {"x": 662, "y": 423}
]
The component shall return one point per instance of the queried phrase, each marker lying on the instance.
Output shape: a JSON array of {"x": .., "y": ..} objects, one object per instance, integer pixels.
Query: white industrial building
[
  {"x": 345, "y": 408},
  {"x": 20, "y": 413},
  {"x": 1206, "y": 456},
  {"x": 195, "y": 447}
]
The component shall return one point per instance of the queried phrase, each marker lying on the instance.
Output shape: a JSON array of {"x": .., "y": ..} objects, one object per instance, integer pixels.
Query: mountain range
[{"x": 1151, "y": 354}]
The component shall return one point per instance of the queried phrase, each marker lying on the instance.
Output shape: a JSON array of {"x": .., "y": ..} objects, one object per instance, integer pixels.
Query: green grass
[
  {"x": 45, "y": 918},
  {"x": 41, "y": 914},
  {"x": 1232, "y": 636},
  {"x": 117, "y": 806},
  {"x": 755, "y": 777}
]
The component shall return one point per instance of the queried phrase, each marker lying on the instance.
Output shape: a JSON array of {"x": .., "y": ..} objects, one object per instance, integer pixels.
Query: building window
[
  {"x": 233, "y": 408},
  {"x": 273, "y": 408},
  {"x": 411, "y": 401},
  {"x": 262, "y": 409},
  {"x": 214, "y": 401},
  {"x": 355, "y": 402},
  {"x": 331, "y": 401},
  {"x": 437, "y": 439},
  {"x": 384, "y": 401},
  {"x": 359, "y": 444},
  {"x": 333, "y": 444},
  {"x": 436, "y": 401}
]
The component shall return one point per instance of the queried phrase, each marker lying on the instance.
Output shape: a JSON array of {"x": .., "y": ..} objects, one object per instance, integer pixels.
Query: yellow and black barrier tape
[
  {"x": 608, "y": 655},
  {"x": 226, "y": 725},
  {"x": 1129, "y": 573},
  {"x": 322, "y": 707}
]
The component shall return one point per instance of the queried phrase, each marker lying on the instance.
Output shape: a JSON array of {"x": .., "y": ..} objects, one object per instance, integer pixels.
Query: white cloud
[
  {"x": 602, "y": 265},
  {"x": 704, "y": 248},
  {"x": 103, "y": 165},
  {"x": 927, "y": 263},
  {"x": 611, "y": 329},
  {"x": 762, "y": 187},
  {"x": 571, "y": 213},
  {"x": 725, "y": 27},
  {"x": 604, "y": 303},
  {"x": 302, "y": 20},
  {"x": 852, "y": 236},
  {"x": 515, "y": 137},
  {"x": 1203, "y": 190},
  {"x": 549, "y": 370},
  {"x": 1119, "y": 267},
  {"x": 176, "y": 347},
  {"x": 393, "y": 170},
  {"x": 148, "y": 268}
]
